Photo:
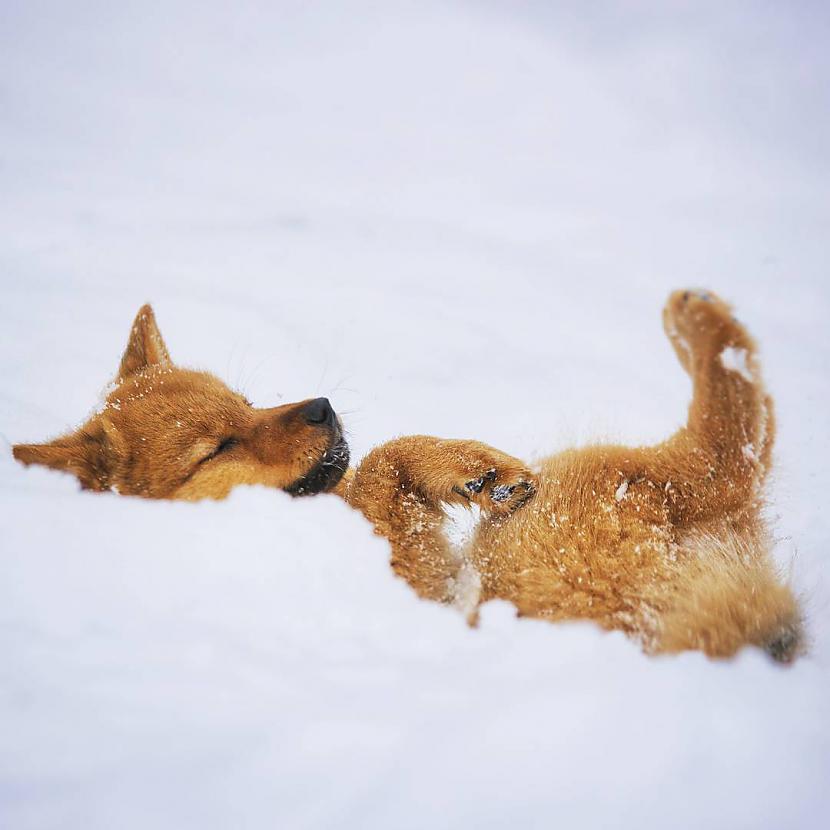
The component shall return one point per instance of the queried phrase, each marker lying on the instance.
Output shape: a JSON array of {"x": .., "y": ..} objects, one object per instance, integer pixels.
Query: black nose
[{"x": 318, "y": 411}]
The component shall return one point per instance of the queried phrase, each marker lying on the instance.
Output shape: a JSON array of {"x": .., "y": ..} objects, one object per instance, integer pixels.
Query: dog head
[{"x": 171, "y": 433}]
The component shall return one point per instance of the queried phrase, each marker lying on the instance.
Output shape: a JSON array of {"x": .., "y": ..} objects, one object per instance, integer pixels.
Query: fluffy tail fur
[{"x": 731, "y": 596}]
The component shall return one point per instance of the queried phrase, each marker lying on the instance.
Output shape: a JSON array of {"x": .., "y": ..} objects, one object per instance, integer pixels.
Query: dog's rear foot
[{"x": 698, "y": 322}]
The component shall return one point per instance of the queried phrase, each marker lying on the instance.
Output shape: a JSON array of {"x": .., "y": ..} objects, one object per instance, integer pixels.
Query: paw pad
[
  {"x": 502, "y": 492},
  {"x": 513, "y": 495},
  {"x": 477, "y": 484}
]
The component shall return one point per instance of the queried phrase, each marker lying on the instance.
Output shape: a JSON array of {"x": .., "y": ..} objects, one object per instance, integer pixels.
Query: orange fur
[
  {"x": 172, "y": 433},
  {"x": 666, "y": 543}
]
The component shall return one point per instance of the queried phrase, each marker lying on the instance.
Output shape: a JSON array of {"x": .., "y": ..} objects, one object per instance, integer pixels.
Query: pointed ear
[
  {"x": 146, "y": 345},
  {"x": 82, "y": 453}
]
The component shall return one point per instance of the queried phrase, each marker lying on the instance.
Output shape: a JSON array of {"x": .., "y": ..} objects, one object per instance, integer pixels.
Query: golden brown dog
[
  {"x": 172, "y": 433},
  {"x": 666, "y": 543}
]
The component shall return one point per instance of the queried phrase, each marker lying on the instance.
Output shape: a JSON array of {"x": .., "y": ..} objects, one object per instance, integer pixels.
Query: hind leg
[{"x": 719, "y": 460}]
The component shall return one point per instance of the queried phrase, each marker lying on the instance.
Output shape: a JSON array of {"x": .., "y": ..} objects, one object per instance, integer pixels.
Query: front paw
[
  {"x": 499, "y": 491},
  {"x": 453, "y": 471}
]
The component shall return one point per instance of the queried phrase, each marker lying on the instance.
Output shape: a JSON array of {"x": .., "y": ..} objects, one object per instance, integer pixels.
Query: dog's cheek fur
[
  {"x": 216, "y": 480},
  {"x": 275, "y": 458}
]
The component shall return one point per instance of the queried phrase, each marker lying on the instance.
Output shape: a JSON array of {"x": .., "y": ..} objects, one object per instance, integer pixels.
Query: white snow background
[{"x": 452, "y": 218}]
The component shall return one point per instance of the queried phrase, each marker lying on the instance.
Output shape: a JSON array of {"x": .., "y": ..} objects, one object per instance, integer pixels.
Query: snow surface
[{"x": 452, "y": 218}]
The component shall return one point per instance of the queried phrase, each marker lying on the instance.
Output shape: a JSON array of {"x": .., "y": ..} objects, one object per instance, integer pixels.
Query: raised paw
[
  {"x": 445, "y": 470},
  {"x": 499, "y": 490},
  {"x": 478, "y": 484}
]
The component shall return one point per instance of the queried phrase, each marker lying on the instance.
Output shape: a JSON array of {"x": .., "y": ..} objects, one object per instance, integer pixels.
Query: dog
[{"x": 666, "y": 543}]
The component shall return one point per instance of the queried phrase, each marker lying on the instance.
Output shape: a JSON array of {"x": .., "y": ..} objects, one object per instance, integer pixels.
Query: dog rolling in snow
[{"x": 666, "y": 543}]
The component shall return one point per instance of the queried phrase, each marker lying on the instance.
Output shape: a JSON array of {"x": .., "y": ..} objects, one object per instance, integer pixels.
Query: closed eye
[{"x": 223, "y": 446}]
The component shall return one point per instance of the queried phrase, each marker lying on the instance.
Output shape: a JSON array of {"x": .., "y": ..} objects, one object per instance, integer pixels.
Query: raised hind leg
[
  {"x": 716, "y": 464},
  {"x": 726, "y": 592}
]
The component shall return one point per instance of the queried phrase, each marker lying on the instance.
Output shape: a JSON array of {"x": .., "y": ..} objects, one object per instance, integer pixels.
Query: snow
[
  {"x": 619, "y": 495},
  {"x": 737, "y": 360},
  {"x": 446, "y": 218}
]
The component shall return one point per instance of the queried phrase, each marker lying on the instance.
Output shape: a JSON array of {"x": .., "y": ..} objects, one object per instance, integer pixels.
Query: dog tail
[{"x": 731, "y": 596}]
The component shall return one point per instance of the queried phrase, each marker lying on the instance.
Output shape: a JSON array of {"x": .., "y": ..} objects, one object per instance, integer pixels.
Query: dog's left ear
[
  {"x": 83, "y": 453},
  {"x": 146, "y": 346}
]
